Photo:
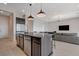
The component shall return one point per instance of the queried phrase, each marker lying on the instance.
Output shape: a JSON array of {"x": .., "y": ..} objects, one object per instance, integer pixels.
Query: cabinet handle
[{"x": 28, "y": 39}]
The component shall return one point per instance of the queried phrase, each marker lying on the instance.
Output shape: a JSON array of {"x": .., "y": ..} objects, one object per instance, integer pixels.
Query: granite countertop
[
  {"x": 67, "y": 34},
  {"x": 39, "y": 35}
]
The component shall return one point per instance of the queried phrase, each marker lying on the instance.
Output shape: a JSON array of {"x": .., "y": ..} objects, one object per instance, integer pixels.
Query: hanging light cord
[
  {"x": 30, "y": 8},
  {"x": 41, "y": 6}
]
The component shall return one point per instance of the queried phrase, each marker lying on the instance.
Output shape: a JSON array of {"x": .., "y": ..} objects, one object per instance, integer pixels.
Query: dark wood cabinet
[
  {"x": 20, "y": 20},
  {"x": 21, "y": 41},
  {"x": 36, "y": 46},
  {"x": 17, "y": 40}
]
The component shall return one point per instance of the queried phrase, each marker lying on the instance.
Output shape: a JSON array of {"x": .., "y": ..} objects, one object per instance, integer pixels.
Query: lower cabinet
[
  {"x": 17, "y": 40},
  {"x": 36, "y": 46},
  {"x": 27, "y": 45},
  {"x": 77, "y": 40},
  {"x": 32, "y": 46},
  {"x": 68, "y": 39},
  {"x": 21, "y": 43}
]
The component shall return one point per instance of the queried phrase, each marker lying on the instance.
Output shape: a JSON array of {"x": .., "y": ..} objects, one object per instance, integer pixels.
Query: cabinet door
[
  {"x": 36, "y": 47},
  {"x": 27, "y": 45},
  {"x": 17, "y": 40},
  {"x": 58, "y": 37},
  {"x": 21, "y": 42},
  {"x": 77, "y": 40}
]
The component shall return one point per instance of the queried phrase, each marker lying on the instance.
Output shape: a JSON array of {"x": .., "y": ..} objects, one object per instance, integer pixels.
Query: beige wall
[{"x": 6, "y": 27}]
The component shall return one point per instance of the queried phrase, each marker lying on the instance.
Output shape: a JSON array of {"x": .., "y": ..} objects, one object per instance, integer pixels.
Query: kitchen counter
[
  {"x": 39, "y": 35},
  {"x": 43, "y": 47},
  {"x": 68, "y": 37}
]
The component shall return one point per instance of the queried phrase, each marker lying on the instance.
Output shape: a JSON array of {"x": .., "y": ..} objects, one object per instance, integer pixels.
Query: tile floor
[
  {"x": 66, "y": 49},
  {"x": 9, "y": 48}
]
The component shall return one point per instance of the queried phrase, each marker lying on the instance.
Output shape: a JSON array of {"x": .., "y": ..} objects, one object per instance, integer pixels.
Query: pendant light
[
  {"x": 30, "y": 17},
  {"x": 41, "y": 13}
]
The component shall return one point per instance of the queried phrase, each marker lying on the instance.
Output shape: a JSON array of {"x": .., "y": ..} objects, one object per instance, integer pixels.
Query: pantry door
[{"x": 4, "y": 27}]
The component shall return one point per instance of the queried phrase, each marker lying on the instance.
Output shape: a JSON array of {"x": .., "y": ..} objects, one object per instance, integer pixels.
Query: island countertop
[
  {"x": 39, "y": 35},
  {"x": 45, "y": 39}
]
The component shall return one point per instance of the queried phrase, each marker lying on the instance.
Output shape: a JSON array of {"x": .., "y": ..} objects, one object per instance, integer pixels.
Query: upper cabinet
[{"x": 20, "y": 24}]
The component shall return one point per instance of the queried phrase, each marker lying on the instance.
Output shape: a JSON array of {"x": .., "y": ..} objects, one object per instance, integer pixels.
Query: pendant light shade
[
  {"x": 41, "y": 13},
  {"x": 30, "y": 17}
]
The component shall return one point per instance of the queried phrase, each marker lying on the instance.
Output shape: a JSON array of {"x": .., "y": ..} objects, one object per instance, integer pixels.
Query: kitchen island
[{"x": 37, "y": 44}]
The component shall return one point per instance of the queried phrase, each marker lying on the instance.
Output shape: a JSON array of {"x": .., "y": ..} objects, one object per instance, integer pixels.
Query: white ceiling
[{"x": 54, "y": 11}]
